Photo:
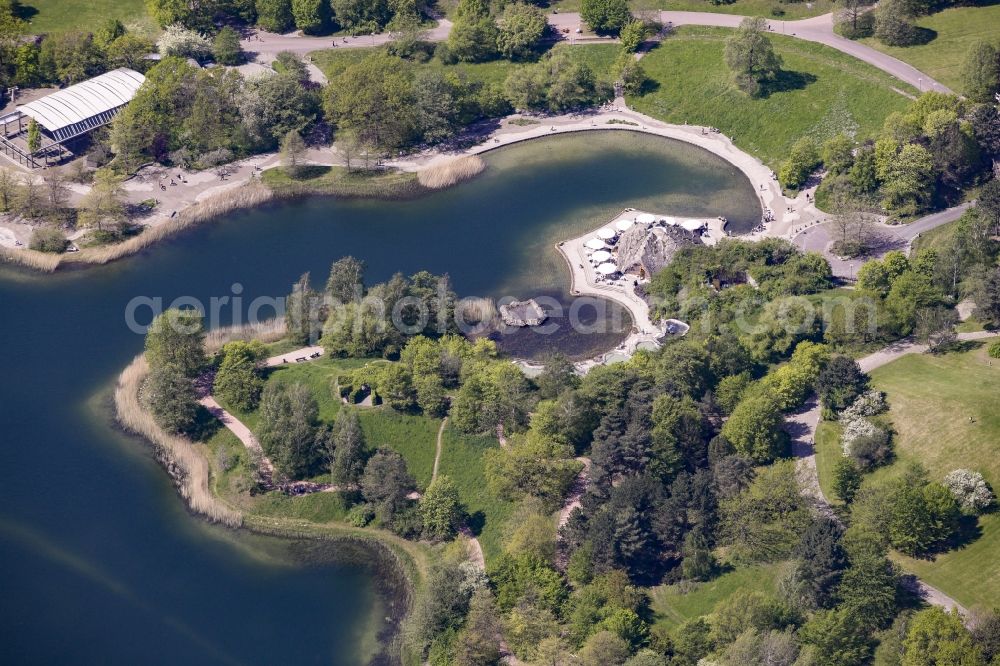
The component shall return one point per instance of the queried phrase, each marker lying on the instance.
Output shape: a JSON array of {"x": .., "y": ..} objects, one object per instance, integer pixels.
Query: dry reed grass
[
  {"x": 446, "y": 174},
  {"x": 187, "y": 466},
  {"x": 245, "y": 196},
  {"x": 475, "y": 310},
  {"x": 271, "y": 330}
]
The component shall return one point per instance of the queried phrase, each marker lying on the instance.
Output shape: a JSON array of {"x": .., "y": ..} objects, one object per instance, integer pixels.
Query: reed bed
[
  {"x": 188, "y": 467},
  {"x": 446, "y": 174},
  {"x": 271, "y": 330},
  {"x": 475, "y": 310},
  {"x": 245, "y": 196}
]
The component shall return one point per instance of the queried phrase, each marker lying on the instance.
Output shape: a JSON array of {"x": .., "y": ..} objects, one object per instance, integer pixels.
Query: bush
[
  {"x": 360, "y": 515},
  {"x": 970, "y": 490},
  {"x": 994, "y": 349},
  {"x": 183, "y": 43},
  {"x": 871, "y": 449},
  {"x": 47, "y": 239},
  {"x": 802, "y": 161}
]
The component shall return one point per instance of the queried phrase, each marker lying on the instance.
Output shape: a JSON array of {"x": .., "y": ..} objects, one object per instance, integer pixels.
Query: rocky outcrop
[{"x": 523, "y": 313}]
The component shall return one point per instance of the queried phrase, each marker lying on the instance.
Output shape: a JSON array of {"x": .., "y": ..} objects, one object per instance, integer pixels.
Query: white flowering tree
[
  {"x": 183, "y": 43},
  {"x": 969, "y": 489}
]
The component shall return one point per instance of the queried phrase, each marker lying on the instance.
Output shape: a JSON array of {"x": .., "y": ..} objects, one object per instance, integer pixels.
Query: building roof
[{"x": 65, "y": 113}]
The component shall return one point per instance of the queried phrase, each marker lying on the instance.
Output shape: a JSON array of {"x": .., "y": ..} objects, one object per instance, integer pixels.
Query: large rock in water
[{"x": 523, "y": 313}]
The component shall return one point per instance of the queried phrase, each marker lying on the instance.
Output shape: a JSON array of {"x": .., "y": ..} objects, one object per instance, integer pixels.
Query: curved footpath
[
  {"x": 266, "y": 46},
  {"x": 802, "y": 425}
]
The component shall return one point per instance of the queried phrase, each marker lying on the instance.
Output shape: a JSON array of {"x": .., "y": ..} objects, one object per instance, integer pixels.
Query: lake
[{"x": 100, "y": 561}]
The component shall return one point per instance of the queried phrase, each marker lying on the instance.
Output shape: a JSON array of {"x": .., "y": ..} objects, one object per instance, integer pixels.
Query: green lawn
[
  {"x": 828, "y": 452},
  {"x": 769, "y": 8},
  {"x": 675, "y": 604},
  {"x": 59, "y": 15},
  {"x": 413, "y": 436},
  {"x": 462, "y": 461},
  {"x": 825, "y": 93},
  {"x": 931, "y": 400},
  {"x": 954, "y": 30}
]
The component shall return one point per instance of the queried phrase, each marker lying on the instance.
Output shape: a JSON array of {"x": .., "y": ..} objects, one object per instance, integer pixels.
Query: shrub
[
  {"x": 994, "y": 349},
  {"x": 872, "y": 449},
  {"x": 802, "y": 161},
  {"x": 183, "y": 43},
  {"x": 47, "y": 239},
  {"x": 970, "y": 490}
]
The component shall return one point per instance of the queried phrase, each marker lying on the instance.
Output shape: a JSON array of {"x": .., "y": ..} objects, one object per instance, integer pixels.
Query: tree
[
  {"x": 374, "y": 98},
  {"x": 171, "y": 398},
  {"x": 275, "y": 15},
  {"x": 751, "y": 57},
  {"x": 839, "y": 639},
  {"x": 853, "y": 18},
  {"x": 473, "y": 36},
  {"x": 765, "y": 521},
  {"x": 840, "y": 382},
  {"x": 521, "y": 27},
  {"x": 288, "y": 428},
  {"x": 558, "y": 375},
  {"x": 30, "y": 201},
  {"x": 238, "y": 380},
  {"x": 936, "y": 327},
  {"x": 939, "y": 637},
  {"x": 55, "y": 190},
  {"x": 105, "y": 202},
  {"x": 293, "y": 150},
  {"x": 440, "y": 508},
  {"x": 908, "y": 179},
  {"x": 304, "y": 312},
  {"x": 345, "y": 448},
  {"x": 386, "y": 482},
  {"x": 604, "y": 649},
  {"x": 605, "y": 16},
  {"x": 34, "y": 136},
  {"x": 987, "y": 297},
  {"x": 311, "y": 16},
  {"x": 821, "y": 561},
  {"x": 177, "y": 338},
  {"x": 632, "y": 35},
  {"x": 754, "y": 428},
  {"x": 970, "y": 490},
  {"x": 48, "y": 239},
  {"x": 476, "y": 644},
  {"x": 347, "y": 280},
  {"x": 893, "y": 23},
  {"x": 178, "y": 41},
  {"x": 837, "y": 154},
  {"x": 981, "y": 72},
  {"x": 802, "y": 161},
  {"x": 630, "y": 74},
  {"x": 226, "y": 47},
  {"x": 746, "y": 610},
  {"x": 846, "y": 479},
  {"x": 8, "y": 189}
]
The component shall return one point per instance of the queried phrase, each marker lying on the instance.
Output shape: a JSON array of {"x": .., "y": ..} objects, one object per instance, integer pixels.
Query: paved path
[
  {"x": 266, "y": 46},
  {"x": 297, "y": 356},
  {"x": 801, "y": 426},
  {"x": 820, "y": 238}
]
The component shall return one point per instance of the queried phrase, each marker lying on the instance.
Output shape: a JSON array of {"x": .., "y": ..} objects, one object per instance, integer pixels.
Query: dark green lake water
[{"x": 99, "y": 561}]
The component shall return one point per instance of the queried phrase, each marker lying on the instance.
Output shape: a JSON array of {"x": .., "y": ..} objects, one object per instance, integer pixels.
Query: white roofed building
[{"x": 67, "y": 114}]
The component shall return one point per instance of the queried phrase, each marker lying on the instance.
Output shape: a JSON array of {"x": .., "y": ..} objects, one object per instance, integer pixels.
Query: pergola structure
[{"x": 66, "y": 115}]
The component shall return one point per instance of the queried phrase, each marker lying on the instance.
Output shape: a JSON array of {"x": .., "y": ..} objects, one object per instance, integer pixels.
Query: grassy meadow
[
  {"x": 821, "y": 93},
  {"x": 952, "y": 32},
  {"x": 932, "y": 398},
  {"x": 675, "y": 604},
  {"x": 60, "y": 15}
]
